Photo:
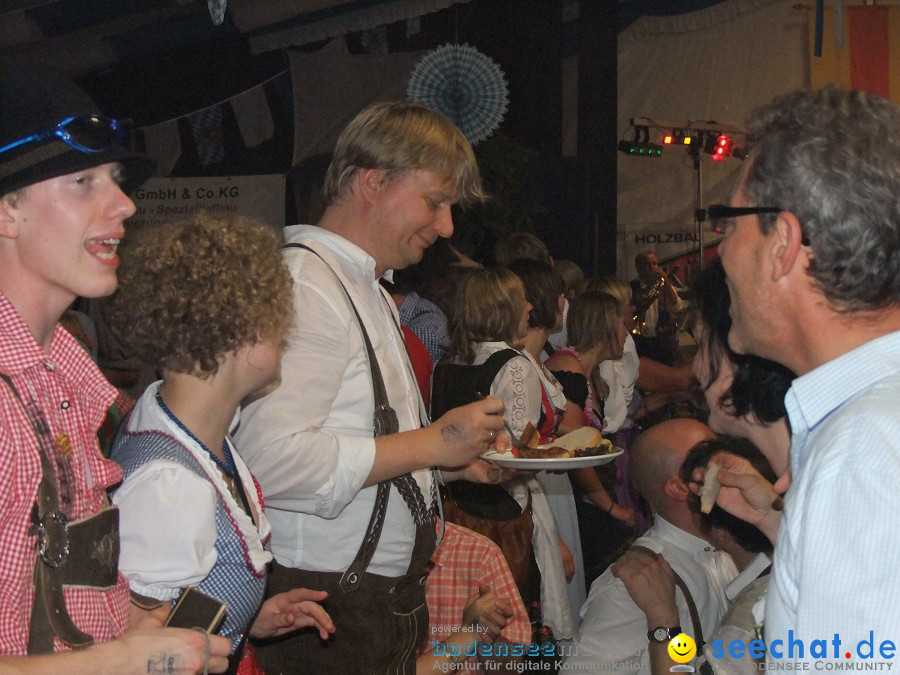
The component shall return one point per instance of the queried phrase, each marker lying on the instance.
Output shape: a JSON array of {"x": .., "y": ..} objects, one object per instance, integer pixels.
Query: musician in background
[{"x": 656, "y": 307}]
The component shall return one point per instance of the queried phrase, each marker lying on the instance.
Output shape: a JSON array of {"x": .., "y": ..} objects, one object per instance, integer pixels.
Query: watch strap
[
  {"x": 692, "y": 607},
  {"x": 671, "y": 631}
]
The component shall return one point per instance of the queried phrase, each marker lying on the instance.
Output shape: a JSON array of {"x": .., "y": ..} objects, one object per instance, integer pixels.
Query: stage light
[
  {"x": 724, "y": 147},
  {"x": 640, "y": 146},
  {"x": 636, "y": 149},
  {"x": 720, "y": 146},
  {"x": 683, "y": 137},
  {"x": 668, "y": 139}
]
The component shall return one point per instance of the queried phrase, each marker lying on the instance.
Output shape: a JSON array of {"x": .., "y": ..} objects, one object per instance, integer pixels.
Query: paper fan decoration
[{"x": 463, "y": 84}]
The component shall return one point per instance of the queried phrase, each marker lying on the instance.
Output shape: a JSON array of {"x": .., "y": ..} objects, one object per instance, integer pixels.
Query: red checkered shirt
[
  {"x": 73, "y": 396},
  {"x": 462, "y": 561}
]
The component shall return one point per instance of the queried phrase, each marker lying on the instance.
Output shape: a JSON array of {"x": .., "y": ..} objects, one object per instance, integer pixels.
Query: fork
[{"x": 513, "y": 439}]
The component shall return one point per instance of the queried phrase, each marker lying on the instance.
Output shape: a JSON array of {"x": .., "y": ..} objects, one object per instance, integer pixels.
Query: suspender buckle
[
  {"x": 53, "y": 538},
  {"x": 385, "y": 421}
]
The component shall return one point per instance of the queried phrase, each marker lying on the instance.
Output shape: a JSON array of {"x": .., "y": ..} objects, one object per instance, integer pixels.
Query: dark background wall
[{"x": 571, "y": 199}]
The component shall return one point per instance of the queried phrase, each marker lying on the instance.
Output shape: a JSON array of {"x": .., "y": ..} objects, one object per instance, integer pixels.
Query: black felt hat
[{"x": 34, "y": 99}]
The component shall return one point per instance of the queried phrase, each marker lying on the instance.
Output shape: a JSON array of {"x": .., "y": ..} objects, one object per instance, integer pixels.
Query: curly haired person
[{"x": 207, "y": 302}]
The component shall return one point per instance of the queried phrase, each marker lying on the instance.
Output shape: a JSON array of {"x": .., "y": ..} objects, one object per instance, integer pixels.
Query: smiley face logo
[{"x": 682, "y": 648}]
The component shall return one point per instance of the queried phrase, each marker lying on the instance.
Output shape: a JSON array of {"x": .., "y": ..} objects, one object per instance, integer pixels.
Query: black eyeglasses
[
  {"x": 720, "y": 214},
  {"x": 87, "y": 134}
]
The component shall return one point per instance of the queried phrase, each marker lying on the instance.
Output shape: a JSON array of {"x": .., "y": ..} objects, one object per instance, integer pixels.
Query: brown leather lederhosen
[
  {"x": 83, "y": 553},
  {"x": 381, "y": 621}
]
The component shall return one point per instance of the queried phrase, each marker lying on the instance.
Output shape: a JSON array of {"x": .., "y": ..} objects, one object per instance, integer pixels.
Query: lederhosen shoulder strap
[
  {"x": 384, "y": 422},
  {"x": 82, "y": 553},
  {"x": 692, "y": 606}
]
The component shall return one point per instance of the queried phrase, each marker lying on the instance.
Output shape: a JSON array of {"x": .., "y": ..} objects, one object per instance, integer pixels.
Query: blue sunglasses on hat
[{"x": 88, "y": 134}]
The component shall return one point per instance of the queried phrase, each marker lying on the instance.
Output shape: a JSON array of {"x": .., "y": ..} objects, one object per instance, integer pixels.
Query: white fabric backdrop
[{"x": 715, "y": 64}]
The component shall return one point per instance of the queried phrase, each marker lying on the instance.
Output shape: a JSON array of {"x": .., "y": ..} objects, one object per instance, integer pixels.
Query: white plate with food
[
  {"x": 580, "y": 448},
  {"x": 510, "y": 461}
]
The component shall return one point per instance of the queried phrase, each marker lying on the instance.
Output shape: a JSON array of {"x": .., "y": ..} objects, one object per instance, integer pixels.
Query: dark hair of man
[
  {"x": 759, "y": 385},
  {"x": 518, "y": 246},
  {"x": 435, "y": 277},
  {"x": 747, "y": 536},
  {"x": 543, "y": 287}
]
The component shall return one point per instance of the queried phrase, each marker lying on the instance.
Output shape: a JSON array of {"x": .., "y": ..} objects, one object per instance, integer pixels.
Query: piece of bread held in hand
[{"x": 710, "y": 490}]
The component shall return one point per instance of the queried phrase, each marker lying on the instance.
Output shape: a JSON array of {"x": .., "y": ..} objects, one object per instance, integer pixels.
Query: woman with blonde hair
[
  {"x": 620, "y": 374},
  {"x": 544, "y": 289},
  {"x": 596, "y": 333},
  {"x": 207, "y": 302},
  {"x": 656, "y": 382},
  {"x": 489, "y": 306}
]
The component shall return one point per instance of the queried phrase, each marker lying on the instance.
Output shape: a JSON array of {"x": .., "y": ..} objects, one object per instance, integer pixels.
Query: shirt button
[
  {"x": 48, "y": 366},
  {"x": 64, "y": 405}
]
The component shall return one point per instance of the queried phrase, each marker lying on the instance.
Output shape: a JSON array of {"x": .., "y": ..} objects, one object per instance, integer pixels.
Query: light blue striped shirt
[{"x": 837, "y": 560}]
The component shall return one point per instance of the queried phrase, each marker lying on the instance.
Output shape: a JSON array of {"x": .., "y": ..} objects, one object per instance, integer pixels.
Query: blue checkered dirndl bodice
[{"x": 233, "y": 579}]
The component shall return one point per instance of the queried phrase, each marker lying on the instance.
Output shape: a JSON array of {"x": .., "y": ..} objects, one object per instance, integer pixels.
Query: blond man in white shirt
[{"x": 396, "y": 171}]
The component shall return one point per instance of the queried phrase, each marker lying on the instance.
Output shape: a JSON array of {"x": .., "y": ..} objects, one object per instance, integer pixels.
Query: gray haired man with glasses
[{"x": 812, "y": 258}]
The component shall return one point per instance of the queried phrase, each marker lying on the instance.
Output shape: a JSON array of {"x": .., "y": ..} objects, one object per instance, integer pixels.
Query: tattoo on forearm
[
  {"x": 453, "y": 433},
  {"x": 163, "y": 663}
]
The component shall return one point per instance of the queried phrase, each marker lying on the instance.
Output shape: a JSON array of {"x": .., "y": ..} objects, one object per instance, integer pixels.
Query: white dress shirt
[
  {"x": 836, "y": 559},
  {"x": 613, "y": 629},
  {"x": 560, "y": 338},
  {"x": 621, "y": 376},
  {"x": 651, "y": 316},
  {"x": 739, "y": 623},
  {"x": 310, "y": 442}
]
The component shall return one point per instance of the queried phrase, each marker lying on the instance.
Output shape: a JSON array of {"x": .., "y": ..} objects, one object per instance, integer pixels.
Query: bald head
[{"x": 658, "y": 453}]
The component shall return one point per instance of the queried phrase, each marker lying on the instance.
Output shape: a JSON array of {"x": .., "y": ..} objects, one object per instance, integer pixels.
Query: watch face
[{"x": 663, "y": 634}]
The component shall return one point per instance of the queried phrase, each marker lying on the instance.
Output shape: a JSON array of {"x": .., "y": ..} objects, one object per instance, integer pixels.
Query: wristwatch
[
  {"x": 662, "y": 634},
  {"x": 457, "y": 661}
]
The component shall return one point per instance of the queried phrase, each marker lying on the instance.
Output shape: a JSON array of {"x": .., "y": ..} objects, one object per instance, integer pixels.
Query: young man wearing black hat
[{"x": 63, "y": 169}]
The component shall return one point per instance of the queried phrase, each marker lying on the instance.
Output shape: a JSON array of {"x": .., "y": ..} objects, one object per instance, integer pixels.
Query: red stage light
[{"x": 723, "y": 148}]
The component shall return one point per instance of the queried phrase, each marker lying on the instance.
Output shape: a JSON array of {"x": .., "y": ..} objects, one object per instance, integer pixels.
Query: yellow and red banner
[{"x": 869, "y": 57}]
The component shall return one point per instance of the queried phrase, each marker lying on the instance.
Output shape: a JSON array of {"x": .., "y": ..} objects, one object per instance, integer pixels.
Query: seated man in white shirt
[
  {"x": 651, "y": 582},
  {"x": 614, "y": 631}
]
